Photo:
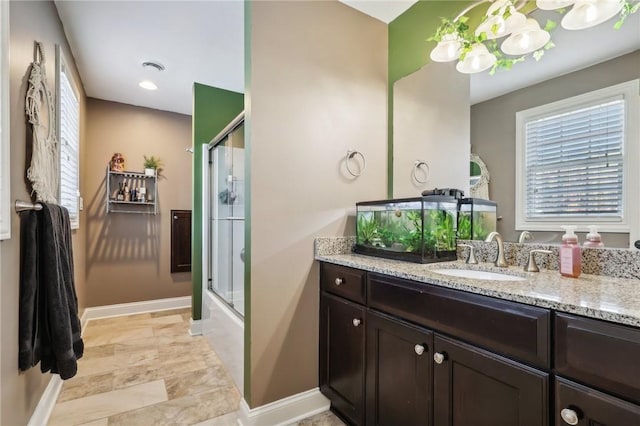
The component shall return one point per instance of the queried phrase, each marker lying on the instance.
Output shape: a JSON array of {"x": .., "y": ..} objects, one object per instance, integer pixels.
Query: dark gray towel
[
  {"x": 57, "y": 330},
  {"x": 29, "y": 346}
]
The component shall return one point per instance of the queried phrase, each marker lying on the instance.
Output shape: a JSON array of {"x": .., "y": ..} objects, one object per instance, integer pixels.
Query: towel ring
[
  {"x": 416, "y": 167},
  {"x": 350, "y": 154}
]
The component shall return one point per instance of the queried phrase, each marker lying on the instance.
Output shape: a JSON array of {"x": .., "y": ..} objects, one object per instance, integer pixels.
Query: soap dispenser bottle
[
  {"x": 593, "y": 238},
  {"x": 570, "y": 255}
]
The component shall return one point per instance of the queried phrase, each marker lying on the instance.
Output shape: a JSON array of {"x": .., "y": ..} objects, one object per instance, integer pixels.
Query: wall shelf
[{"x": 134, "y": 181}]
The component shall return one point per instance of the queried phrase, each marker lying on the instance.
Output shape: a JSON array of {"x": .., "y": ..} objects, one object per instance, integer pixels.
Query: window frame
[
  {"x": 5, "y": 159},
  {"x": 630, "y": 219},
  {"x": 63, "y": 68}
]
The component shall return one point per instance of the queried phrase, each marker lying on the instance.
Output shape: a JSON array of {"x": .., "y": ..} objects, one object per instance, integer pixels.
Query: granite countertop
[{"x": 595, "y": 296}]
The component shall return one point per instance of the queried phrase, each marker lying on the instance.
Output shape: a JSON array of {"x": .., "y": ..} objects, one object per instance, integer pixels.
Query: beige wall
[
  {"x": 493, "y": 132},
  {"x": 423, "y": 104},
  {"x": 128, "y": 255},
  {"x": 29, "y": 21},
  {"x": 317, "y": 85}
]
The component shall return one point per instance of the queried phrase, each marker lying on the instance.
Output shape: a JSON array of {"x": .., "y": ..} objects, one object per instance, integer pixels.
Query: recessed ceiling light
[
  {"x": 149, "y": 85},
  {"x": 151, "y": 64}
]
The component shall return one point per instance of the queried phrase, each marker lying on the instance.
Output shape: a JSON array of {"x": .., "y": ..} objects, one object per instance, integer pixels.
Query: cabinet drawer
[
  {"x": 342, "y": 281},
  {"x": 510, "y": 328},
  {"x": 602, "y": 354},
  {"x": 592, "y": 407}
]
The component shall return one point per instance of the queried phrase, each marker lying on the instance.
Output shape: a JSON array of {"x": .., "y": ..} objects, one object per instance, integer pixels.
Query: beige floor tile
[
  {"x": 197, "y": 381},
  {"x": 171, "y": 329},
  {"x": 182, "y": 411},
  {"x": 88, "y": 366},
  {"x": 100, "y": 422},
  {"x": 105, "y": 335},
  {"x": 230, "y": 419},
  {"x": 326, "y": 418},
  {"x": 79, "y": 387},
  {"x": 181, "y": 312},
  {"x": 136, "y": 375},
  {"x": 82, "y": 410}
]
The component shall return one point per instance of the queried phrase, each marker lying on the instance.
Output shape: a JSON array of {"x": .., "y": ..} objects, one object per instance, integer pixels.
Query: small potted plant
[{"x": 152, "y": 166}]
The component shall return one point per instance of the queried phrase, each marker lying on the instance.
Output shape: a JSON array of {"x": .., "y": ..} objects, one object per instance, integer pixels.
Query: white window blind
[
  {"x": 578, "y": 161},
  {"x": 575, "y": 164},
  {"x": 69, "y": 122}
]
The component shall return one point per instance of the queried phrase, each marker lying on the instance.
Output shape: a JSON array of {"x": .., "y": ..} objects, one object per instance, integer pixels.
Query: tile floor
[{"x": 147, "y": 370}]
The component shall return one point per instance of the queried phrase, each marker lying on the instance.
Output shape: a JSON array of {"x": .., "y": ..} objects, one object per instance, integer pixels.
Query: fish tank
[
  {"x": 476, "y": 218},
  {"x": 421, "y": 229}
]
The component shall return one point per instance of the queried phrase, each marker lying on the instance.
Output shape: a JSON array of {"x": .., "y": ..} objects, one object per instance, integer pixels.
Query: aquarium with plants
[
  {"x": 419, "y": 230},
  {"x": 476, "y": 218}
]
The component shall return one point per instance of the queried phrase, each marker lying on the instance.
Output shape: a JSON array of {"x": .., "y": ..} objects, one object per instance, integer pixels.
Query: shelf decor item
[
  {"x": 117, "y": 162},
  {"x": 152, "y": 166}
]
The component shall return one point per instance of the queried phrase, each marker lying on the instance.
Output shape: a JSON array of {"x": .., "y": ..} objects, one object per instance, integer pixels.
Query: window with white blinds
[
  {"x": 69, "y": 137},
  {"x": 574, "y": 161}
]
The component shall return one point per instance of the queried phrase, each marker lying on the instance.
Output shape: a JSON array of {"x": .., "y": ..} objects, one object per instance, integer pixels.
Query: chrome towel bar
[{"x": 24, "y": 205}]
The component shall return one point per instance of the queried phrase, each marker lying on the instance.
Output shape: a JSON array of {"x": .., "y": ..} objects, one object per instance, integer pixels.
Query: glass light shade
[
  {"x": 553, "y": 4},
  {"x": 477, "y": 60},
  {"x": 503, "y": 26},
  {"x": 589, "y": 13},
  {"x": 527, "y": 39},
  {"x": 447, "y": 49}
]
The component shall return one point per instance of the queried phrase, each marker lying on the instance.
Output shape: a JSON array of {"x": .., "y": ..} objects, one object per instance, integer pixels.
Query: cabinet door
[
  {"x": 180, "y": 241},
  {"x": 580, "y": 405},
  {"x": 342, "y": 337},
  {"x": 473, "y": 387},
  {"x": 399, "y": 373}
]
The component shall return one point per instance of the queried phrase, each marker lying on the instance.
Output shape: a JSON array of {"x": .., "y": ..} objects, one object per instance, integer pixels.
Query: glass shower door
[{"x": 226, "y": 163}]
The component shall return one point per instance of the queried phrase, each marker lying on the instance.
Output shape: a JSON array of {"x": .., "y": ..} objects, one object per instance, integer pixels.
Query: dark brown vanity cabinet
[
  {"x": 476, "y": 387},
  {"x": 580, "y": 405},
  {"x": 395, "y": 352},
  {"x": 342, "y": 353},
  {"x": 399, "y": 377},
  {"x": 605, "y": 356}
]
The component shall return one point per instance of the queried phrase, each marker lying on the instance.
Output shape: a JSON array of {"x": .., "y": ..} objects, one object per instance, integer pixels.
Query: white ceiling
[
  {"x": 383, "y": 10},
  {"x": 203, "y": 41},
  {"x": 197, "y": 41}
]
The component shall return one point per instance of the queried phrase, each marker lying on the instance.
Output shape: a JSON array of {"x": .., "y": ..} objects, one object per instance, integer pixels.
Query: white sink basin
[{"x": 478, "y": 275}]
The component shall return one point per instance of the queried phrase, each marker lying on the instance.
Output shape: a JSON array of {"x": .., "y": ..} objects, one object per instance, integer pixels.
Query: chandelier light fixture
[{"x": 507, "y": 35}]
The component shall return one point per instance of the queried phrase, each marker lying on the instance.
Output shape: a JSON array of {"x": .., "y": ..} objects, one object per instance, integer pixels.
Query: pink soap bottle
[
  {"x": 570, "y": 255},
  {"x": 593, "y": 238}
]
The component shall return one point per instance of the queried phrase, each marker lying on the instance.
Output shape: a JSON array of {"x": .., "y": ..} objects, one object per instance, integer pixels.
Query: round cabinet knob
[
  {"x": 339, "y": 281},
  {"x": 439, "y": 357},
  {"x": 356, "y": 322},
  {"x": 419, "y": 349},
  {"x": 569, "y": 416}
]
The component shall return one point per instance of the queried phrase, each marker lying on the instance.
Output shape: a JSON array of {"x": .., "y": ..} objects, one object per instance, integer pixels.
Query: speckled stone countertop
[{"x": 595, "y": 296}]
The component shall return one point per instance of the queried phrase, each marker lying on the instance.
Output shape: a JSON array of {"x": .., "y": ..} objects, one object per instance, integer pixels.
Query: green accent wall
[
  {"x": 213, "y": 109},
  {"x": 247, "y": 205},
  {"x": 409, "y": 51}
]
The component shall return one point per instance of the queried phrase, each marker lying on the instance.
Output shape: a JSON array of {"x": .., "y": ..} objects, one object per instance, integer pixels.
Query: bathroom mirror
[
  {"x": 567, "y": 70},
  {"x": 479, "y": 178}
]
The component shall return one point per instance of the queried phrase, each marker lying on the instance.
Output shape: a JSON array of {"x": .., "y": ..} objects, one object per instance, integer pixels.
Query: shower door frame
[{"x": 207, "y": 150}]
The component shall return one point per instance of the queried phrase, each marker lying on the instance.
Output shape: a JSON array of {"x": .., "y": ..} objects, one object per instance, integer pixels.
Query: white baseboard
[
  {"x": 134, "y": 308},
  {"x": 284, "y": 411},
  {"x": 48, "y": 400},
  {"x": 195, "y": 328}
]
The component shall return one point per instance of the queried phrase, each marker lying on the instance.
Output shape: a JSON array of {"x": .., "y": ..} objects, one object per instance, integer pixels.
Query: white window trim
[
  {"x": 60, "y": 62},
  {"x": 630, "y": 221},
  {"x": 5, "y": 175}
]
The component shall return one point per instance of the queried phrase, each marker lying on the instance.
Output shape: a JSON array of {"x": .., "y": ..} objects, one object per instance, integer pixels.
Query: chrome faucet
[
  {"x": 525, "y": 236},
  {"x": 500, "y": 259}
]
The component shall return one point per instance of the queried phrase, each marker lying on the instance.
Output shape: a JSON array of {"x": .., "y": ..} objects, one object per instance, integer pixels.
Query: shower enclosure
[
  {"x": 226, "y": 218},
  {"x": 223, "y": 195}
]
